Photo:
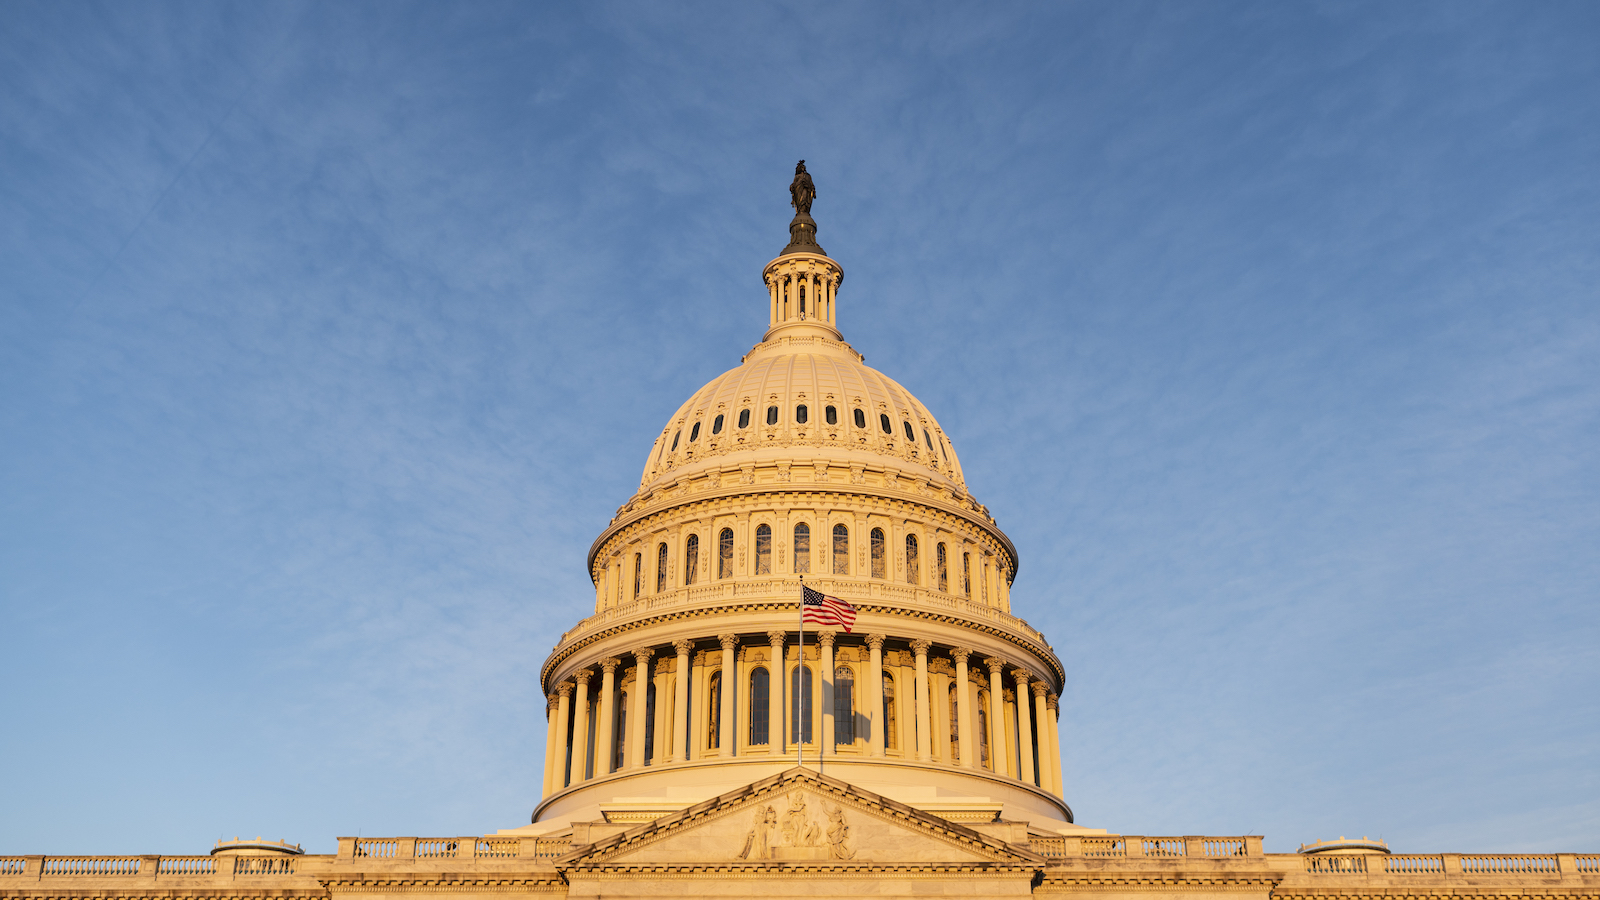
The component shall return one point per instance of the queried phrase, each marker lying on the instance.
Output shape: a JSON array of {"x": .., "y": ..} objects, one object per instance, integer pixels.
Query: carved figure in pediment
[
  {"x": 798, "y": 829},
  {"x": 763, "y": 835},
  {"x": 839, "y": 835}
]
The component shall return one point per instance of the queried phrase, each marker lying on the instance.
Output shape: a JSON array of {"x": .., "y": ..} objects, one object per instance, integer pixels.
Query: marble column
[
  {"x": 680, "y": 702},
  {"x": 558, "y": 774},
  {"x": 776, "y": 684},
  {"x": 730, "y": 729},
  {"x": 924, "y": 720},
  {"x": 636, "y": 716},
  {"x": 550, "y": 738},
  {"x": 825, "y": 644},
  {"x": 580, "y": 728},
  {"x": 1054, "y": 721},
  {"x": 999, "y": 749},
  {"x": 1024, "y": 726},
  {"x": 604, "y": 743},
  {"x": 968, "y": 749},
  {"x": 1041, "y": 715},
  {"x": 875, "y": 692}
]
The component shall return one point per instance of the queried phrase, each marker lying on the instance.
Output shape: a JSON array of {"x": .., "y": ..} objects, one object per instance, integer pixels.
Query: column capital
[
  {"x": 609, "y": 664},
  {"x": 1053, "y": 702},
  {"x": 960, "y": 654},
  {"x": 776, "y": 637},
  {"x": 643, "y": 654},
  {"x": 875, "y": 641},
  {"x": 996, "y": 664},
  {"x": 1040, "y": 688},
  {"x": 727, "y": 641},
  {"x": 582, "y": 676},
  {"x": 1021, "y": 677},
  {"x": 564, "y": 689},
  {"x": 826, "y": 638},
  {"x": 921, "y": 646},
  {"x": 684, "y": 646}
]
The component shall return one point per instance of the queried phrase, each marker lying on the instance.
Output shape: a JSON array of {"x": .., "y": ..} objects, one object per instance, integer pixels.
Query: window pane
[
  {"x": 891, "y": 725},
  {"x": 844, "y": 706},
  {"x": 716, "y": 424},
  {"x": 764, "y": 550},
  {"x": 675, "y": 437},
  {"x": 714, "y": 712},
  {"x": 691, "y": 558},
  {"x": 772, "y": 415},
  {"x": 694, "y": 433},
  {"x": 661, "y": 568},
  {"x": 877, "y": 553},
  {"x": 801, "y": 704},
  {"x": 619, "y": 737},
  {"x": 861, "y": 419},
  {"x": 638, "y": 573},
  {"x": 725, "y": 554},
  {"x": 910, "y": 435},
  {"x": 832, "y": 415},
  {"x": 841, "y": 550},
  {"x": 944, "y": 580},
  {"x": 966, "y": 574},
  {"x": 759, "y": 684},
  {"x": 883, "y": 420},
  {"x": 802, "y": 548},
  {"x": 955, "y": 727},
  {"x": 650, "y": 723},
  {"x": 983, "y": 728},
  {"x": 800, "y": 414},
  {"x": 744, "y": 418},
  {"x": 913, "y": 570}
]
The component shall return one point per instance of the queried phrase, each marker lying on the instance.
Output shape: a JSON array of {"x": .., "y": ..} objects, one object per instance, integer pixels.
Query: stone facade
[{"x": 701, "y": 743}]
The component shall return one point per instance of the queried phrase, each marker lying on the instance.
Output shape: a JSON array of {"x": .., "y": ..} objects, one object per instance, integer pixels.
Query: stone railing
[
  {"x": 187, "y": 865},
  {"x": 91, "y": 865},
  {"x": 1135, "y": 846},
  {"x": 1552, "y": 864},
  {"x": 406, "y": 848},
  {"x": 147, "y": 867}
]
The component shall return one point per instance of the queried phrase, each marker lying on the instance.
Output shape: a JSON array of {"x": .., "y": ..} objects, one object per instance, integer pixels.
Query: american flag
[{"x": 821, "y": 609}]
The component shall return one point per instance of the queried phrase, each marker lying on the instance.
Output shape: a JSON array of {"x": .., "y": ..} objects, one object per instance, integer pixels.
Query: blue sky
[{"x": 332, "y": 334}]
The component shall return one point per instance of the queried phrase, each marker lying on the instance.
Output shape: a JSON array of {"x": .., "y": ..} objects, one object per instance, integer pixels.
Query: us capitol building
[{"x": 697, "y": 747}]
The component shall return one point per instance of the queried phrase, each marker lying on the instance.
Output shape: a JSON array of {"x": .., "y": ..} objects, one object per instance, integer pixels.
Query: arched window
[
  {"x": 983, "y": 580},
  {"x": 891, "y": 724},
  {"x": 691, "y": 558},
  {"x": 760, "y": 682},
  {"x": 802, "y": 548},
  {"x": 694, "y": 433},
  {"x": 772, "y": 415},
  {"x": 927, "y": 437},
  {"x": 725, "y": 554},
  {"x": 841, "y": 550},
  {"x": 831, "y": 415},
  {"x": 861, "y": 419},
  {"x": 878, "y": 567},
  {"x": 675, "y": 437},
  {"x": 944, "y": 574},
  {"x": 661, "y": 568},
  {"x": 763, "y": 549},
  {"x": 883, "y": 420},
  {"x": 801, "y": 705},
  {"x": 911, "y": 436},
  {"x": 966, "y": 574},
  {"x": 716, "y": 424},
  {"x": 650, "y": 723},
  {"x": 955, "y": 727},
  {"x": 802, "y": 301},
  {"x": 638, "y": 574},
  {"x": 844, "y": 706},
  {"x": 619, "y": 733},
  {"x": 800, "y": 414},
  {"x": 983, "y": 729},
  {"x": 913, "y": 570},
  {"x": 714, "y": 712},
  {"x": 744, "y": 418}
]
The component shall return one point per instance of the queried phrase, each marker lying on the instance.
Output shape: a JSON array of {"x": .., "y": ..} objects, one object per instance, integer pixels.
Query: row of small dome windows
[
  {"x": 801, "y": 416},
  {"x": 802, "y": 559}
]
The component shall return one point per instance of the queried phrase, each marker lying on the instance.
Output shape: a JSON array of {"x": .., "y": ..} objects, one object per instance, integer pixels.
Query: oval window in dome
[
  {"x": 744, "y": 418},
  {"x": 861, "y": 419},
  {"x": 800, "y": 414},
  {"x": 910, "y": 435},
  {"x": 694, "y": 433},
  {"x": 927, "y": 437},
  {"x": 716, "y": 424},
  {"x": 675, "y": 441},
  {"x": 831, "y": 414},
  {"x": 772, "y": 415},
  {"x": 883, "y": 419}
]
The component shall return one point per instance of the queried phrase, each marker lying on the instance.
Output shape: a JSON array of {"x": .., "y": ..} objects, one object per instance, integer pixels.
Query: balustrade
[
  {"x": 377, "y": 848},
  {"x": 91, "y": 865},
  {"x": 437, "y": 848},
  {"x": 499, "y": 848},
  {"x": 12, "y": 865},
  {"x": 1410, "y": 865},
  {"x": 187, "y": 865},
  {"x": 1588, "y": 865},
  {"x": 1336, "y": 865},
  {"x": 1224, "y": 846},
  {"x": 1163, "y": 846},
  {"x": 264, "y": 865},
  {"x": 1509, "y": 865},
  {"x": 1104, "y": 847}
]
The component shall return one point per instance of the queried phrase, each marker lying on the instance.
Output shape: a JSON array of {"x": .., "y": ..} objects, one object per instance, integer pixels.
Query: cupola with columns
[{"x": 802, "y": 463}]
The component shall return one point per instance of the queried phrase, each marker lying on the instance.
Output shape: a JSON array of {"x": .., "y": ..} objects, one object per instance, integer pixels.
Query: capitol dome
[{"x": 693, "y": 677}]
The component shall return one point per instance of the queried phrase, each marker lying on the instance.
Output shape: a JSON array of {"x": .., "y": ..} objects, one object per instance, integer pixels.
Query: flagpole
[{"x": 800, "y": 720}]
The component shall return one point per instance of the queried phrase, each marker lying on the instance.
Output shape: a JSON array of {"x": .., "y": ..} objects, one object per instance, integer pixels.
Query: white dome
[{"x": 875, "y": 421}]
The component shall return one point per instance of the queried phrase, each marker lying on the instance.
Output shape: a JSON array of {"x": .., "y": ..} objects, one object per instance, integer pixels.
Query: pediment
[{"x": 798, "y": 818}]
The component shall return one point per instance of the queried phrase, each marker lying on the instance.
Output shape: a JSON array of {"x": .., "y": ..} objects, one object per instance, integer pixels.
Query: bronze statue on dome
[{"x": 802, "y": 191}]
